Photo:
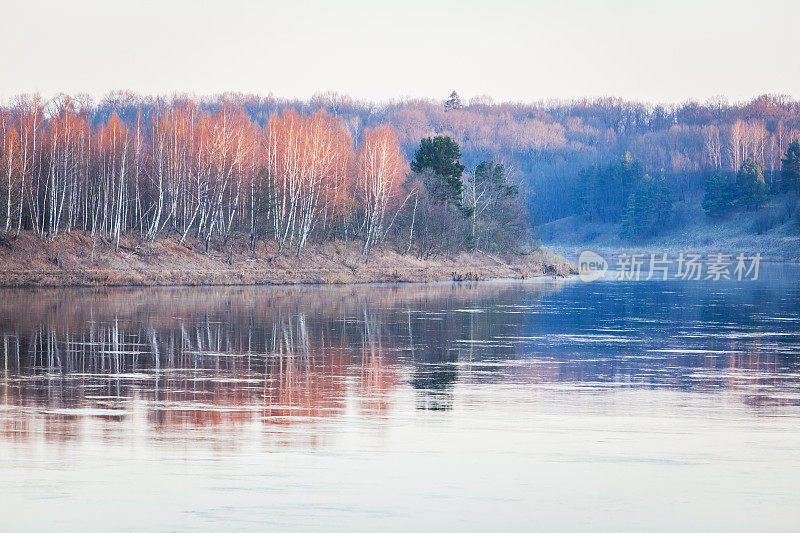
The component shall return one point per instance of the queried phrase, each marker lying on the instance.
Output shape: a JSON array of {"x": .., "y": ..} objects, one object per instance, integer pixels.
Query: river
[{"x": 557, "y": 405}]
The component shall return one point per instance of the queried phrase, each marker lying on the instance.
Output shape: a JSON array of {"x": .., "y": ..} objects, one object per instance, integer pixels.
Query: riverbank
[{"x": 77, "y": 260}]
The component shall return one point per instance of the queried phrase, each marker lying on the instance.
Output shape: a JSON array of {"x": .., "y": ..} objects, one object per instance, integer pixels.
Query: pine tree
[
  {"x": 453, "y": 102},
  {"x": 649, "y": 208},
  {"x": 441, "y": 154},
  {"x": 753, "y": 189},
  {"x": 790, "y": 167},
  {"x": 603, "y": 191},
  {"x": 720, "y": 195}
]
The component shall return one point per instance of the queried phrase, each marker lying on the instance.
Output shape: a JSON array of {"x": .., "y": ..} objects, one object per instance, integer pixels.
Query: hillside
[{"x": 773, "y": 231}]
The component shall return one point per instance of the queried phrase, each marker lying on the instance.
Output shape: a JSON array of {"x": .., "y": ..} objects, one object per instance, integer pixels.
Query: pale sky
[{"x": 664, "y": 51}]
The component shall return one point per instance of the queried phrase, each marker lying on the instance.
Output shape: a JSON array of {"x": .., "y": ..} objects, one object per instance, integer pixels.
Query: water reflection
[
  {"x": 568, "y": 405},
  {"x": 185, "y": 359}
]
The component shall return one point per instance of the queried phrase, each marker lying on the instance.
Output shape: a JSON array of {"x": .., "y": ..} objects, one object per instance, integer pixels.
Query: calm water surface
[{"x": 552, "y": 405}]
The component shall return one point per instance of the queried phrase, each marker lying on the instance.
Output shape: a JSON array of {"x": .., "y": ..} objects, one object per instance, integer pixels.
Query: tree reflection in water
[{"x": 184, "y": 360}]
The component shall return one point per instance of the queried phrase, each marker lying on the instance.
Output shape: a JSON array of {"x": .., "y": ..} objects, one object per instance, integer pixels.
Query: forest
[
  {"x": 185, "y": 168},
  {"x": 408, "y": 172}
]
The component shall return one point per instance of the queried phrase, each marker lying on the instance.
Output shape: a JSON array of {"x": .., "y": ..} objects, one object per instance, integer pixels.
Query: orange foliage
[{"x": 381, "y": 168}]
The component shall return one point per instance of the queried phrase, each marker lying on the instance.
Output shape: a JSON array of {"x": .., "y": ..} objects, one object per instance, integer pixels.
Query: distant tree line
[
  {"x": 547, "y": 144},
  {"x": 555, "y": 151},
  {"x": 749, "y": 187},
  {"x": 544, "y": 144},
  {"x": 621, "y": 192}
]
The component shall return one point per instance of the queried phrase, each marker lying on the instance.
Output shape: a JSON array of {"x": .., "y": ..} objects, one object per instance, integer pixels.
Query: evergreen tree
[
  {"x": 603, "y": 191},
  {"x": 453, "y": 102},
  {"x": 720, "y": 195},
  {"x": 649, "y": 208},
  {"x": 790, "y": 167},
  {"x": 629, "y": 172},
  {"x": 441, "y": 154},
  {"x": 753, "y": 189}
]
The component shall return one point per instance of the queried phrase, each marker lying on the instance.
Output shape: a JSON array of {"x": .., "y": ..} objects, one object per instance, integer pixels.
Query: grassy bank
[
  {"x": 77, "y": 260},
  {"x": 772, "y": 231}
]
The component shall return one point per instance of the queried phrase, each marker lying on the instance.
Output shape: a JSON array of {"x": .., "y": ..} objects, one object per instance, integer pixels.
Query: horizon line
[{"x": 8, "y": 101}]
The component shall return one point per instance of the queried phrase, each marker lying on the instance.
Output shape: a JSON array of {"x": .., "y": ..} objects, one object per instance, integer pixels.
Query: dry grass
[{"x": 77, "y": 260}]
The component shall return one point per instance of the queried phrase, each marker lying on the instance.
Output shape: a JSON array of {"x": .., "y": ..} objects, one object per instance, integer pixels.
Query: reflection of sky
[{"x": 562, "y": 404}]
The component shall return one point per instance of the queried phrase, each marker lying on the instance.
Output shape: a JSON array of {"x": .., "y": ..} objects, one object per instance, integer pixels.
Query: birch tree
[{"x": 381, "y": 169}]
